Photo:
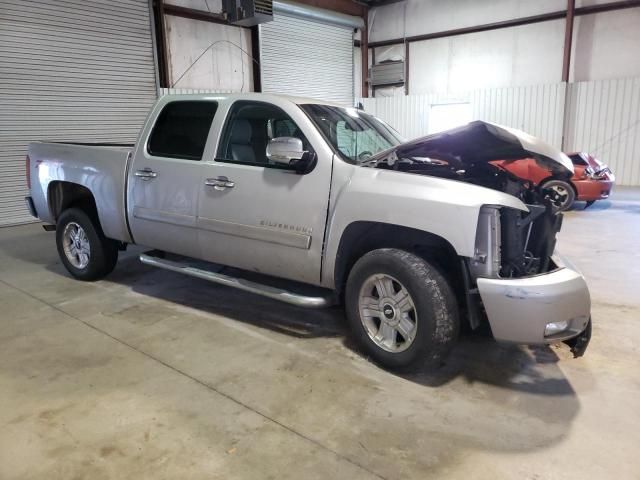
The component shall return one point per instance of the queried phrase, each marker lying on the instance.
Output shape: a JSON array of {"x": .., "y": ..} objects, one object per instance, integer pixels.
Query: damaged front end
[
  {"x": 473, "y": 154},
  {"x": 528, "y": 294}
]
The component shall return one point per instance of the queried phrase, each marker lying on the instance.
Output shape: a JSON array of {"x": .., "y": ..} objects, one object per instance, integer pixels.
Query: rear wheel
[
  {"x": 84, "y": 250},
  {"x": 563, "y": 193},
  {"x": 589, "y": 203},
  {"x": 401, "y": 310}
]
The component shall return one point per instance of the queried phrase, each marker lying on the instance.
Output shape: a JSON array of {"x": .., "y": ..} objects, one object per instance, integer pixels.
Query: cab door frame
[
  {"x": 162, "y": 192},
  {"x": 271, "y": 221}
]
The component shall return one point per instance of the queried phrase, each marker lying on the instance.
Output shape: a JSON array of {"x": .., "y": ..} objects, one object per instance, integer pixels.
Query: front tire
[
  {"x": 401, "y": 310},
  {"x": 84, "y": 250}
]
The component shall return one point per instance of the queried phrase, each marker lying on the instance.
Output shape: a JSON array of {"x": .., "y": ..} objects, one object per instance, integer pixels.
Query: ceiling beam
[{"x": 544, "y": 17}]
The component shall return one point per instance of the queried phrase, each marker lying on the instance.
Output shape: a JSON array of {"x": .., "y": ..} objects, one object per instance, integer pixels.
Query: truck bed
[{"x": 101, "y": 168}]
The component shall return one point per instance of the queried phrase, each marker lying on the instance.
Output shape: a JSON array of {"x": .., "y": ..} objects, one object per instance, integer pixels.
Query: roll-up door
[
  {"x": 307, "y": 58},
  {"x": 70, "y": 70}
]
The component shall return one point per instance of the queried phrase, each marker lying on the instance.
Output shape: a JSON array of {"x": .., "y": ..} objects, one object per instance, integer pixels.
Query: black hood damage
[
  {"x": 475, "y": 143},
  {"x": 466, "y": 154}
]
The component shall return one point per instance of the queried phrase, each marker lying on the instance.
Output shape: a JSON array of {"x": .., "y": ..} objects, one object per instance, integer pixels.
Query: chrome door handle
[
  {"x": 146, "y": 174},
  {"x": 219, "y": 183}
]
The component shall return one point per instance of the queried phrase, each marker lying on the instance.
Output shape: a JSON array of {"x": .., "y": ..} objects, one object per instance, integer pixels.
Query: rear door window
[{"x": 181, "y": 130}]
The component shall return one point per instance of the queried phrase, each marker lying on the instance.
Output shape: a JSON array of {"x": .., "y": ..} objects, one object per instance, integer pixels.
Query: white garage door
[
  {"x": 69, "y": 71},
  {"x": 306, "y": 58}
]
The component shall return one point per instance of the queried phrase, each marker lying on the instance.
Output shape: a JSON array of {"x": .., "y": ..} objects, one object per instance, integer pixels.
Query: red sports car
[{"x": 592, "y": 180}]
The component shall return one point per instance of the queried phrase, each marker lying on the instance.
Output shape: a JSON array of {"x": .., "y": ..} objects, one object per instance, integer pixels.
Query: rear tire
[
  {"x": 589, "y": 203},
  {"x": 84, "y": 250},
  {"x": 565, "y": 190},
  {"x": 401, "y": 310}
]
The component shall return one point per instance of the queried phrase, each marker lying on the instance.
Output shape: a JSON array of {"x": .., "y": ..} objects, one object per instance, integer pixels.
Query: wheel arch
[
  {"x": 62, "y": 195},
  {"x": 361, "y": 237}
]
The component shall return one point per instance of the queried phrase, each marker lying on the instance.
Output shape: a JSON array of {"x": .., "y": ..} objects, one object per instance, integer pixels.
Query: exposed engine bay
[
  {"x": 527, "y": 239},
  {"x": 522, "y": 242}
]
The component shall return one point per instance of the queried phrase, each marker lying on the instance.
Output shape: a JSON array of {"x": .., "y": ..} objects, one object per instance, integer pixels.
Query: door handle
[
  {"x": 146, "y": 174},
  {"x": 219, "y": 183}
]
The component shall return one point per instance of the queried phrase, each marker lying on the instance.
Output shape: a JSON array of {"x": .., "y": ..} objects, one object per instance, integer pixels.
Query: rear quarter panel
[{"x": 102, "y": 170}]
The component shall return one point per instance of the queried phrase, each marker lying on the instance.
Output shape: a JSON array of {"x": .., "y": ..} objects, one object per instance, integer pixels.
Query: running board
[{"x": 240, "y": 283}]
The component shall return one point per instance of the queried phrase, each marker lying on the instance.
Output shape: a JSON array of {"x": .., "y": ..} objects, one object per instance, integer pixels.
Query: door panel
[
  {"x": 164, "y": 179},
  {"x": 271, "y": 221},
  {"x": 266, "y": 219},
  {"x": 164, "y": 208}
]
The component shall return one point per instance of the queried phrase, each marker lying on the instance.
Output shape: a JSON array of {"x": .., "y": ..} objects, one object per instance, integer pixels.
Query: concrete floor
[{"x": 149, "y": 374}]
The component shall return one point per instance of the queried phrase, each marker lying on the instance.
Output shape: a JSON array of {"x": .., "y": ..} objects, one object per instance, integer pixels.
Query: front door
[
  {"x": 165, "y": 176},
  {"x": 255, "y": 214}
]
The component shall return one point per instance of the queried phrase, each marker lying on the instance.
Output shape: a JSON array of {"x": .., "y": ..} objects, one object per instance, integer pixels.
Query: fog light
[{"x": 555, "y": 327}]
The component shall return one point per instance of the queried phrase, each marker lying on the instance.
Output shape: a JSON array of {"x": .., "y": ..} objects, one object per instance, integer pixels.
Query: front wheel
[
  {"x": 401, "y": 310},
  {"x": 84, "y": 250}
]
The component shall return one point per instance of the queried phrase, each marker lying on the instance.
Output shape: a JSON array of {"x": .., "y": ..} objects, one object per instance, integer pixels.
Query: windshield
[{"x": 353, "y": 133}]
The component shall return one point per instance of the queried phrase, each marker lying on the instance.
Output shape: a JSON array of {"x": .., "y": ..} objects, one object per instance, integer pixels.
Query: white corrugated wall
[
  {"x": 603, "y": 117},
  {"x": 70, "y": 70},
  {"x": 605, "y": 121},
  {"x": 535, "y": 109}
]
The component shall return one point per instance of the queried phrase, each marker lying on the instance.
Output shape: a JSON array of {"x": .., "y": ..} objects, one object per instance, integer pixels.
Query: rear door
[
  {"x": 269, "y": 219},
  {"x": 164, "y": 178}
]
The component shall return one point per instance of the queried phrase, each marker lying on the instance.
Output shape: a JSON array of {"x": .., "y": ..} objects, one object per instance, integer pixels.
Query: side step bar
[{"x": 239, "y": 283}]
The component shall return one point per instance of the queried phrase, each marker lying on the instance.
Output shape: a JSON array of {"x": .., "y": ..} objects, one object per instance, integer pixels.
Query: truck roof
[{"x": 270, "y": 97}]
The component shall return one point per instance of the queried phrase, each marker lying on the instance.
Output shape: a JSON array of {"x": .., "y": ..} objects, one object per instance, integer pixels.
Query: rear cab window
[{"x": 181, "y": 129}]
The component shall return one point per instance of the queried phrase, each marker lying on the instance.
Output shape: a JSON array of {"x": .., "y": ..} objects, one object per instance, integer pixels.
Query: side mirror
[
  {"x": 283, "y": 150},
  {"x": 288, "y": 151}
]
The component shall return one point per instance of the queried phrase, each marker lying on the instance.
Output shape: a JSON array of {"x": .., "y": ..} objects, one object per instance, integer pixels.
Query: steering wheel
[{"x": 364, "y": 155}]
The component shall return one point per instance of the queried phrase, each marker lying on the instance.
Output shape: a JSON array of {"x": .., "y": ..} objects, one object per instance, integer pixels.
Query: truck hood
[{"x": 480, "y": 142}]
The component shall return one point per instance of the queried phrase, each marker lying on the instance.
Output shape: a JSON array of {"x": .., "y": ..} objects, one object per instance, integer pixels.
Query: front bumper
[
  {"x": 590, "y": 189},
  {"x": 519, "y": 309}
]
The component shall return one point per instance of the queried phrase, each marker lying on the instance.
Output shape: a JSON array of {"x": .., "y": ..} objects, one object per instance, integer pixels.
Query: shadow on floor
[
  {"x": 579, "y": 206},
  {"x": 476, "y": 357},
  {"x": 228, "y": 302}
]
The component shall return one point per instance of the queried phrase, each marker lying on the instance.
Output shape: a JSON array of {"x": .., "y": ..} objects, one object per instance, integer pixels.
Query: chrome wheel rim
[
  {"x": 76, "y": 245},
  {"x": 387, "y": 313}
]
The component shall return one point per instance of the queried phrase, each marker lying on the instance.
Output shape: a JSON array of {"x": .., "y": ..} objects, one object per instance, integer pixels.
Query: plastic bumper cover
[{"x": 519, "y": 309}]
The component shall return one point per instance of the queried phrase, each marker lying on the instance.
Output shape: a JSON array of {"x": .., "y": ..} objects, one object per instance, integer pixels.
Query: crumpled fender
[{"x": 446, "y": 208}]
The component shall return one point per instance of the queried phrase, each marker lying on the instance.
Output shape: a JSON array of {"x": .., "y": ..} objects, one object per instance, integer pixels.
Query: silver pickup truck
[{"x": 413, "y": 238}]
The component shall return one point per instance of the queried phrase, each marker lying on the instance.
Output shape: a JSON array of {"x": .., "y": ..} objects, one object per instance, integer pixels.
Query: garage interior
[{"x": 150, "y": 374}]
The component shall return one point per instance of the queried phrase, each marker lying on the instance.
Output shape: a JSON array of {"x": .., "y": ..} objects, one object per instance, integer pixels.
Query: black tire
[
  {"x": 566, "y": 189},
  {"x": 103, "y": 251},
  {"x": 436, "y": 311},
  {"x": 589, "y": 203}
]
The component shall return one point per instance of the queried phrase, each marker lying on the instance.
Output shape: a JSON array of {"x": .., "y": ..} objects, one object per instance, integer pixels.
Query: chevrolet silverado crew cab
[{"x": 315, "y": 204}]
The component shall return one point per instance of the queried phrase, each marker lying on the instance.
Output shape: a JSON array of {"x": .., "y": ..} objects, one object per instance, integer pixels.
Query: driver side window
[{"x": 250, "y": 127}]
